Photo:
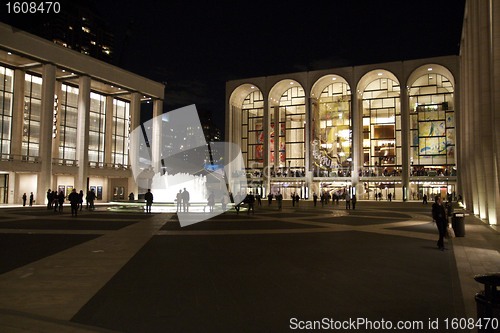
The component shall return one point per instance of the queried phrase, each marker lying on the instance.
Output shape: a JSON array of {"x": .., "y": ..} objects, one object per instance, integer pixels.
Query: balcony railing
[{"x": 19, "y": 158}]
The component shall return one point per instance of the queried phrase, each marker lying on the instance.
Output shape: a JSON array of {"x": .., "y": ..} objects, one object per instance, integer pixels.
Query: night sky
[{"x": 196, "y": 47}]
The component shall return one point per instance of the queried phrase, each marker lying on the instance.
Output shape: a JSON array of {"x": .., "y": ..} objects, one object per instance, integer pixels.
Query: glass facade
[
  {"x": 32, "y": 111},
  {"x": 252, "y": 136},
  {"x": 121, "y": 129},
  {"x": 68, "y": 120},
  {"x": 337, "y": 144},
  {"x": 332, "y": 139},
  {"x": 6, "y": 93},
  {"x": 291, "y": 143},
  {"x": 97, "y": 127},
  {"x": 382, "y": 128},
  {"x": 432, "y": 126}
]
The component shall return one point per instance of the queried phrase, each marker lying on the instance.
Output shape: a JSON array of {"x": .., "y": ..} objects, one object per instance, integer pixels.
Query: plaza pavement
[{"x": 126, "y": 271}]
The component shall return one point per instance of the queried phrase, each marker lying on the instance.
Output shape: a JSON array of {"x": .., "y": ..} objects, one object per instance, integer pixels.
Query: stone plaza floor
[{"x": 121, "y": 270}]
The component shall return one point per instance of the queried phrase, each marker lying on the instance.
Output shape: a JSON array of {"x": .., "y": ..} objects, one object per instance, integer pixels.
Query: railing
[
  {"x": 102, "y": 165},
  {"x": 19, "y": 158},
  {"x": 65, "y": 162}
]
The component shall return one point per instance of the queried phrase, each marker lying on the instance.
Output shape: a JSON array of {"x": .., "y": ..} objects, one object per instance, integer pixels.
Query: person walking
[
  {"x": 389, "y": 197},
  {"x": 149, "y": 200},
  {"x": 185, "y": 200},
  {"x": 224, "y": 201},
  {"x": 178, "y": 199},
  {"x": 74, "y": 200},
  {"x": 347, "y": 201},
  {"x": 279, "y": 200},
  {"x": 439, "y": 216},
  {"x": 424, "y": 201},
  {"x": 315, "y": 198},
  {"x": 269, "y": 199},
  {"x": 25, "y": 197},
  {"x": 293, "y": 199},
  {"x": 91, "y": 198},
  {"x": 32, "y": 199},
  {"x": 211, "y": 202},
  {"x": 80, "y": 199},
  {"x": 251, "y": 203},
  {"x": 258, "y": 197},
  {"x": 60, "y": 201},
  {"x": 354, "y": 201},
  {"x": 49, "y": 199}
]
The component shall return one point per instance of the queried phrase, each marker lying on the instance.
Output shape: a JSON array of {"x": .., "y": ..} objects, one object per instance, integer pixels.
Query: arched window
[
  {"x": 432, "y": 126},
  {"x": 382, "y": 128},
  {"x": 291, "y": 133},
  {"x": 332, "y": 131},
  {"x": 252, "y": 135}
]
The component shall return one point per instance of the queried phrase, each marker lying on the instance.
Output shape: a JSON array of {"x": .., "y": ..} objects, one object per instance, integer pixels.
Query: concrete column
[
  {"x": 486, "y": 124},
  {"x": 57, "y": 104},
  {"x": 135, "y": 122},
  {"x": 156, "y": 142},
  {"x": 108, "y": 133},
  {"x": 82, "y": 133},
  {"x": 357, "y": 140},
  {"x": 46, "y": 119},
  {"x": 477, "y": 169},
  {"x": 405, "y": 140},
  {"x": 307, "y": 140},
  {"x": 471, "y": 198},
  {"x": 266, "y": 147},
  {"x": 495, "y": 104},
  {"x": 17, "y": 114},
  {"x": 277, "y": 128}
]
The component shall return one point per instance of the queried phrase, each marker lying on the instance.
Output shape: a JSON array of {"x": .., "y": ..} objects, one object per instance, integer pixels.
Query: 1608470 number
[
  {"x": 471, "y": 323},
  {"x": 44, "y": 7}
]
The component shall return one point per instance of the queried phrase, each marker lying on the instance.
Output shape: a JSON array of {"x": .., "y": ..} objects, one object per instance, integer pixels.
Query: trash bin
[
  {"x": 488, "y": 302},
  {"x": 458, "y": 224}
]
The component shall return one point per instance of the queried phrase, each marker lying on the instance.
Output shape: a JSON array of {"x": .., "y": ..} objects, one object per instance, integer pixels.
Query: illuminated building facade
[
  {"x": 65, "y": 120},
  {"x": 408, "y": 128},
  {"x": 376, "y": 129}
]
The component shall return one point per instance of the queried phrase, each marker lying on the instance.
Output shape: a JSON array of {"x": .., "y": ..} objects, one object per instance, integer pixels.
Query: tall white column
[
  {"x": 156, "y": 144},
  {"x": 17, "y": 113},
  {"x": 405, "y": 141},
  {"x": 478, "y": 171},
  {"x": 108, "y": 133},
  {"x": 82, "y": 133},
  {"x": 46, "y": 123},
  {"x": 495, "y": 104},
  {"x": 266, "y": 148},
  {"x": 135, "y": 122},
  {"x": 357, "y": 140}
]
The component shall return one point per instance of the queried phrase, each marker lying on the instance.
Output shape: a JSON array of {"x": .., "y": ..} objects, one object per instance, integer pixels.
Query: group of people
[
  {"x": 56, "y": 200},
  {"x": 182, "y": 199},
  {"x": 25, "y": 198},
  {"x": 279, "y": 199}
]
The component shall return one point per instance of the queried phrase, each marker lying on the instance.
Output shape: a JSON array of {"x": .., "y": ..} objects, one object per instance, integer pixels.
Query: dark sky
[{"x": 195, "y": 47}]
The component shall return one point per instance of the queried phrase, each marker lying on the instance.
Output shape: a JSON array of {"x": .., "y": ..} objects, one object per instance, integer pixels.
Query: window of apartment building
[
  {"x": 121, "y": 114},
  {"x": 6, "y": 93},
  {"x": 68, "y": 120},
  {"x": 31, "y": 115},
  {"x": 96, "y": 128}
]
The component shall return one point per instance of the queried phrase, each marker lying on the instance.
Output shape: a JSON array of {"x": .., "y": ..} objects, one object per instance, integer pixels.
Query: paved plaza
[{"x": 121, "y": 270}]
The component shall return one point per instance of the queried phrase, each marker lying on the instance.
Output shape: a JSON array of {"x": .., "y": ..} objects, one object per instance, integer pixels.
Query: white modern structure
[{"x": 65, "y": 120}]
